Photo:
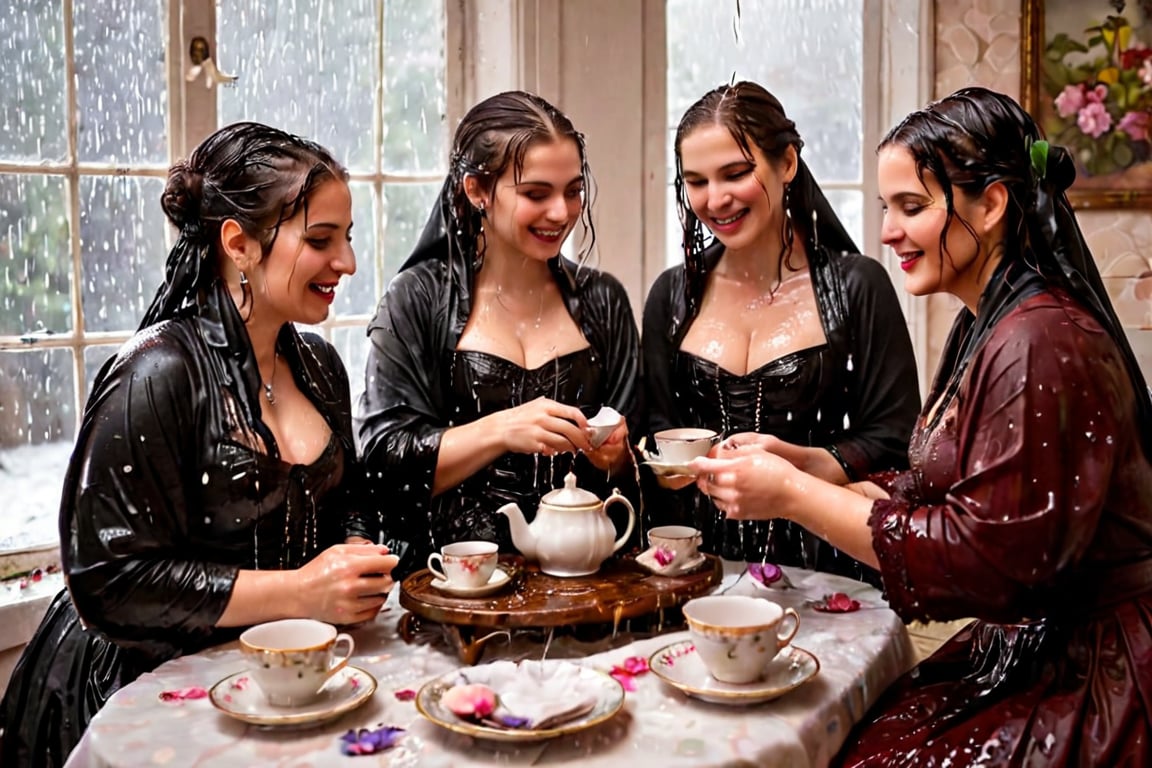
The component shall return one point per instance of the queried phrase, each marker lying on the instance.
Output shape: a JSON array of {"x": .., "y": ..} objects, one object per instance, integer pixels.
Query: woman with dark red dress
[{"x": 1028, "y": 504}]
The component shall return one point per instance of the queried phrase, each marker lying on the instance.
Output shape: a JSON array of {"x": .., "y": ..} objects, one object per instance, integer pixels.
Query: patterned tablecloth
[{"x": 860, "y": 654}]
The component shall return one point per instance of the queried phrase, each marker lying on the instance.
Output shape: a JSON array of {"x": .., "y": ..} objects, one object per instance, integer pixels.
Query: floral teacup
[{"x": 737, "y": 637}]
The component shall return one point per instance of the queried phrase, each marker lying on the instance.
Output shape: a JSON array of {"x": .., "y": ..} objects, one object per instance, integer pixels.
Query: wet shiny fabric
[
  {"x": 418, "y": 386},
  {"x": 857, "y": 395},
  {"x": 1028, "y": 507},
  {"x": 484, "y": 384},
  {"x": 164, "y": 502}
]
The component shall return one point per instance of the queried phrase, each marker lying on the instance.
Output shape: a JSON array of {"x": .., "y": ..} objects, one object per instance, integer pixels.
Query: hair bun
[
  {"x": 182, "y": 195},
  {"x": 1061, "y": 167}
]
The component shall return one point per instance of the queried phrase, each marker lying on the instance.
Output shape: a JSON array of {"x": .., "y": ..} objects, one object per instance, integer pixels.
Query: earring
[
  {"x": 788, "y": 233},
  {"x": 245, "y": 294},
  {"x": 243, "y": 279}
]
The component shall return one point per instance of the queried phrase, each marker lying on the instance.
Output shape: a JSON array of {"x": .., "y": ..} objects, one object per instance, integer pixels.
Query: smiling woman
[{"x": 214, "y": 482}]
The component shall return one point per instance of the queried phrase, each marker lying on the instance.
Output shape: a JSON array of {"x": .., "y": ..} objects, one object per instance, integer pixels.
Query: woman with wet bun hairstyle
[
  {"x": 1028, "y": 505},
  {"x": 214, "y": 483}
]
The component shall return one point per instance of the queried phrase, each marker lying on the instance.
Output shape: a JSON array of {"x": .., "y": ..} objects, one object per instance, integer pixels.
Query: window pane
[
  {"x": 33, "y": 118},
  {"x": 94, "y": 357},
  {"x": 357, "y": 294},
  {"x": 121, "y": 86},
  {"x": 414, "y": 87},
  {"x": 808, "y": 53},
  {"x": 307, "y": 67},
  {"x": 352, "y": 346},
  {"x": 35, "y": 255},
  {"x": 122, "y": 247},
  {"x": 37, "y": 423},
  {"x": 849, "y": 207},
  {"x": 406, "y": 209}
]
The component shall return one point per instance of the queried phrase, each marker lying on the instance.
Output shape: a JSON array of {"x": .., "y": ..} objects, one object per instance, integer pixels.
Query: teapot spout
[{"x": 522, "y": 535}]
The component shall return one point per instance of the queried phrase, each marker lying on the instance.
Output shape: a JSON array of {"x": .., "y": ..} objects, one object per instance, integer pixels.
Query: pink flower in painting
[
  {"x": 1070, "y": 100},
  {"x": 1136, "y": 125},
  {"x": 1094, "y": 119}
]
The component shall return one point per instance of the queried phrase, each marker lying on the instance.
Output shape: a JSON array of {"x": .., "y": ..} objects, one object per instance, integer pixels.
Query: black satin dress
[
  {"x": 175, "y": 485},
  {"x": 856, "y": 396},
  {"x": 419, "y": 385}
]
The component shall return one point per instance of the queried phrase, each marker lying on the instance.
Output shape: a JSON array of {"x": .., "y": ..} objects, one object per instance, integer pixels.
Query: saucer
[
  {"x": 240, "y": 697},
  {"x": 497, "y": 581},
  {"x": 647, "y": 560},
  {"x": 680, "y": 666},
  {"x": 668, "y": 469}
]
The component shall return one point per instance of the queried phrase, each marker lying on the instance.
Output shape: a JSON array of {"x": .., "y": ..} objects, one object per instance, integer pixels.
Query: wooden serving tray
[{"x": 621, "y": 589}]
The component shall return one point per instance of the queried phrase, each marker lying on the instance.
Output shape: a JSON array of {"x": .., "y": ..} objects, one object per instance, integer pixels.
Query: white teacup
[
  {"x": 603, "y": 424},
  {"x": 736, "y": 636},
  {"x": 681, "y": 445},
  {"x": 465, "y": 563},
  {"x": 292, "y": 659},
  {"x": 680, "y": 541}
]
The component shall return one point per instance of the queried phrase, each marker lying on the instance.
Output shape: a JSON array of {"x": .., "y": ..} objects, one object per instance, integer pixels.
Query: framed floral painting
[{"x": 1087, "y": 79}]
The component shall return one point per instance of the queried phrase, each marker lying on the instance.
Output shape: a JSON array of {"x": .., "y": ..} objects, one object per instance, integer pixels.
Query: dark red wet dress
[{"x": 1029, "y": 507}]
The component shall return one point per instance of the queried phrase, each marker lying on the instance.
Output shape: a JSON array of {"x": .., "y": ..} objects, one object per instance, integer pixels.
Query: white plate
[
  {"x": 496, "y": 582},
  {"x": 647, "y": 560},
  {"x": 680, "y": 666},
  {"x": 608, "y": 694},
  {"x": 240, "y": 697}
]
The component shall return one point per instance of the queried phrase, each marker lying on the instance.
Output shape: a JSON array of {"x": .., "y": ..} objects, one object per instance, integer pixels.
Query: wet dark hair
[
  {"x": 753, "y": 117},
  {"x": 975, "y": 138},
  {"x": 254, "y": 174},
  {"x": 493, "y": 136}
]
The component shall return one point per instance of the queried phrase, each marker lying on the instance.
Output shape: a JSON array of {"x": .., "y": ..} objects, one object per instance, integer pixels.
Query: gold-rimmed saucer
[
  {"x": 496, "y": 582},
  {"x": 240, "y": 697},
  {"x": 647, "y": 560},
  {"x": 680, "y": 666}
]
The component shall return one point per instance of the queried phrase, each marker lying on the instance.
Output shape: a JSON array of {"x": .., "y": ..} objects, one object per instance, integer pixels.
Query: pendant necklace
[{"x": 271, "y": 398}]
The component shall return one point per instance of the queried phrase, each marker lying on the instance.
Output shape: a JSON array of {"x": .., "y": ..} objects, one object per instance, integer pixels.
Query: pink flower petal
[
  {"x": 474, "y": 700},
  {"x": 837, "y": 602},
  {"x": 195, "y": 692},
  {"x": 664, "y": 556},
  {"x": 626, "y": 680},
  {"x": 405, "y": 694}
]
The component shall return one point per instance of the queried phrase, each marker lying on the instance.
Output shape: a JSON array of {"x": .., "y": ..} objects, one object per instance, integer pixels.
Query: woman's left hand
[
  {"x": 748, "y": 483},
  {"x": 613, "y": 452}
]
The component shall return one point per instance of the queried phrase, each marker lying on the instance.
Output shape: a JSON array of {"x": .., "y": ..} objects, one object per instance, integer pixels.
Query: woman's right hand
[
  {"x": 546, "y": 427},
  {"x": 346, "y": 583}
]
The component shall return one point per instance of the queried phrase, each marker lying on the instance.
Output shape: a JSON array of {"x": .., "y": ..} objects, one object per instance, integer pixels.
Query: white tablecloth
[{"x": 860, "y": 654}]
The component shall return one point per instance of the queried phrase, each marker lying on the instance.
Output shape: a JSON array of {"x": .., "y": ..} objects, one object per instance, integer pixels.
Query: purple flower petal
[
  {"x": 765, "y": 573},
  {"x": 367, "y": 741}
]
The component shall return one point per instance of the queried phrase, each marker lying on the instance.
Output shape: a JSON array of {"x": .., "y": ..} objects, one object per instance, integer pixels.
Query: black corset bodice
[{"x": 483, "y": 384}]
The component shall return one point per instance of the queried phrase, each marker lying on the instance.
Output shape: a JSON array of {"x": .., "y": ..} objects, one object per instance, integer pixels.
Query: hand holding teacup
[
  {"x": 292, "y": 659},
  {"x": 748, "y": 483},
  {"x": 344, "y": 584}
]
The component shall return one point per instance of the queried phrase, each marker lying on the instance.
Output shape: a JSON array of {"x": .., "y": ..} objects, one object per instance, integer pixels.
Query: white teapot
[{"x": 572, "y": 534}]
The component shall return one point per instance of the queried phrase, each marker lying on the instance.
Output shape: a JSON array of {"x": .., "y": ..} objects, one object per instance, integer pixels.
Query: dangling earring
[
  {"x": 245, "y": 294},
  {"x": 788, "y": 232},
  {"x": 481, "y": 239}
]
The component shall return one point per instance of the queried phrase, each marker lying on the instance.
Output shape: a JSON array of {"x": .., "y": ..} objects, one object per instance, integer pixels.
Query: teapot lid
[{"x": 570, "y": 495}]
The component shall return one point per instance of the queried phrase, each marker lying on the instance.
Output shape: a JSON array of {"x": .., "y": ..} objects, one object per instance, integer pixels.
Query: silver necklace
[{"x": 268, "y": 395}]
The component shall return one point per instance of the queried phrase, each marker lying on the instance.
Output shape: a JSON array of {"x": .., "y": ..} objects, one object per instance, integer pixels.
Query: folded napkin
[{"x": 537, "y": 694}]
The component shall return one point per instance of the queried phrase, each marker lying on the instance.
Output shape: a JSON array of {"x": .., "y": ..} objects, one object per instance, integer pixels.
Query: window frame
[{"x": 192, "y": 116}]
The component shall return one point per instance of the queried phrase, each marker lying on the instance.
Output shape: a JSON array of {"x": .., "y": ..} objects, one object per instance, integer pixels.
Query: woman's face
[
  {"x": 296, "y": 281},
  {"x": 532, "y": 217},
  {"x": 740, "y": 199},
  {"x": 915, "y": 214}
]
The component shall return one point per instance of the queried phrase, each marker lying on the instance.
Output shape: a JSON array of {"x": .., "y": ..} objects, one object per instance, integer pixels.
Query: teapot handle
[{"x": 622, "y": 499}]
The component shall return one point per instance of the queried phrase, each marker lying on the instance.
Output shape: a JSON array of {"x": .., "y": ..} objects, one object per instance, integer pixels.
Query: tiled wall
[{"x": 978, "y": 43}]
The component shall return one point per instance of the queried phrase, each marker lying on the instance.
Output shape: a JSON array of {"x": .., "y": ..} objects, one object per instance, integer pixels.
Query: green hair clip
[{"x": 1038, "y": 153}]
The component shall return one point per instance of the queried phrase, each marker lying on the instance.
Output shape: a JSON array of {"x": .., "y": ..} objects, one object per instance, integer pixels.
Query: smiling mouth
[
  {"x": 324, "y": 288},
  {"x": 547, "y": 234},
  {"x": 730, "y": 219}
]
